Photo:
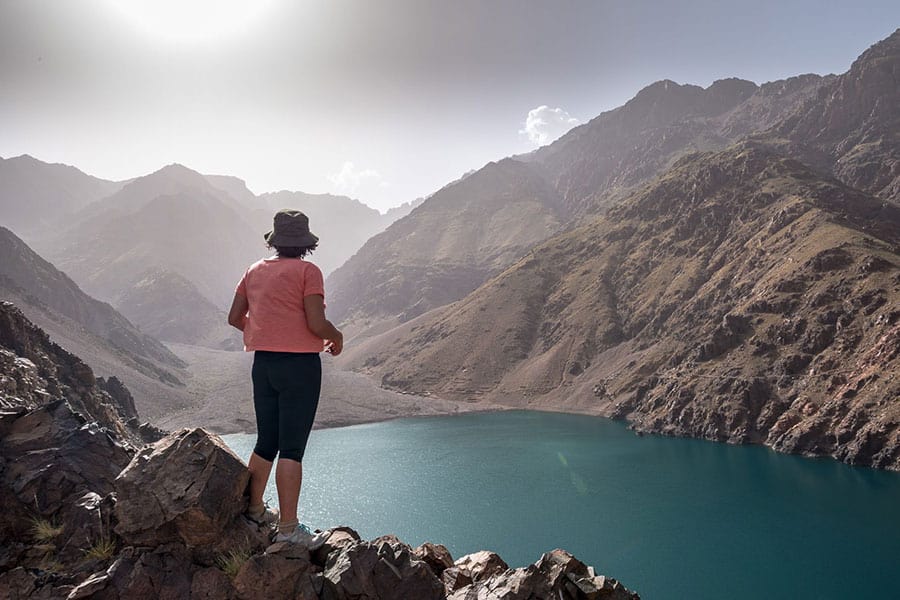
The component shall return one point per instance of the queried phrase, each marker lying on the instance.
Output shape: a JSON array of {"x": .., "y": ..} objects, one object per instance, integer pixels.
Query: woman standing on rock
[{"x": 279, "y": 304}]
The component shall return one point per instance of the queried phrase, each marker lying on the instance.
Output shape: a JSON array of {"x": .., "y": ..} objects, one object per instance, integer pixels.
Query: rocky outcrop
[
  {"x": 35, "y": 371},
  {"x": 86, "y": 514},
  {"x": 167, "y": 522}
]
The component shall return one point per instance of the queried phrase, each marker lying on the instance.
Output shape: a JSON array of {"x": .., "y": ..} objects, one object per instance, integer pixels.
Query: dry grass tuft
[
  {"x": 232, "y": 562},
  {"x": 102, "y": 549},
  {"x": 44, "y": 530}
]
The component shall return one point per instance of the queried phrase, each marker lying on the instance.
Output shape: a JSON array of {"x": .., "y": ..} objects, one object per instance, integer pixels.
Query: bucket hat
[{"x": 290, "y": 228}]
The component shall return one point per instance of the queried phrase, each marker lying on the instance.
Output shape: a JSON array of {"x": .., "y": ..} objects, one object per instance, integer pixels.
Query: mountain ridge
[{"x": 684, "y": 279}]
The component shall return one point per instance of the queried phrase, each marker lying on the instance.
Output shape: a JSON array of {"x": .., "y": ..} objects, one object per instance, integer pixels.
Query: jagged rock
[
  {"x": 211, "y": 584},
  {"x": 188, "y": 487},
  {"x": 53, "y": 458},
  {"x": 35, "y": 371},
  {"x": 284, "y": 571},
  {"x": 164, "y": 573},
  {"x": 366, "y": 571},
  {"x": 455, "y": 578},
  {"x": 120, "y": 394},
  {"x": 338, "y": 538},
  {"x": 557, "y": 574},
  {"x": 87, "y": 524},
  {"x": 435, "y": 556},
  {"x": 481, "y": 565}
]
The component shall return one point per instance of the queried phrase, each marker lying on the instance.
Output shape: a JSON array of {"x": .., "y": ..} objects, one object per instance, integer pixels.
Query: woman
[{"x": 279, "y": 304}]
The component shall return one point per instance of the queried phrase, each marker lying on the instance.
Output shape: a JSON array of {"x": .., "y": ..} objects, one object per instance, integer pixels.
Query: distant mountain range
[
  {"x": 695, "y": 283},
  {"x": 167, "y": 249}
]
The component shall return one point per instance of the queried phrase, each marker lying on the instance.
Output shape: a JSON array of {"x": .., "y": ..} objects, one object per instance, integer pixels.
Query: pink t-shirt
[{"x": 276, "y": 320}]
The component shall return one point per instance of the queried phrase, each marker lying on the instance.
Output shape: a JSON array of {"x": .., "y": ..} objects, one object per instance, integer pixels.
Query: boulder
[
  {"x": 455, "y": 578},
  {"x": 187, "y": 488},
  {"x": 481, "y": 565},
  {"x": 51, "y": 460},
  {"x": 211, "y": 584},
  {"x": 164, "y": 573},
  {"x": 435, "y": 556},
  {"x": 368, "y": 571},
  {"x": 338, "y": 538},
  {"x": 283, "y": 572}
]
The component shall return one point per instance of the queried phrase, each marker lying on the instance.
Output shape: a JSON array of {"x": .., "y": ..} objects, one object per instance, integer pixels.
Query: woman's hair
[{"x": 293, "y": 251}]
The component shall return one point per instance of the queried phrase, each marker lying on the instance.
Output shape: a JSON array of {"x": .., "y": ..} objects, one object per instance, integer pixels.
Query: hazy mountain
[
  {"x": 342, "y": 224},
  {"x": 596, "y": 163},
  {"x": 740, "y": 297},
  {"x": 168, "y": 248},
  {"x": 578, "y": 175},
  {"x": 156, "y": 303},
  {"x": 172, "y": 220},
  {"x": 449, "y": 245},
  {"x": 27, "y": 273},
  {"x": 35, "y": 194}
]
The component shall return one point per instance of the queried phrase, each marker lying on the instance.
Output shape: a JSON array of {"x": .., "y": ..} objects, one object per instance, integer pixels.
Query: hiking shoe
[
  {"x": 303, "y": 536},
  {"x": 268, "y": 517}
]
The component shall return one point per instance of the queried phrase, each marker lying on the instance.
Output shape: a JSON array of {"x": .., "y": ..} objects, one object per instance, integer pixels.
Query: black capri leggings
[{"x": 286, "y": 389}]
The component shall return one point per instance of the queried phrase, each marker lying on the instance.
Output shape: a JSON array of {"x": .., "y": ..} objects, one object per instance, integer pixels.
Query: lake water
[{"x": 670, "y": 518}]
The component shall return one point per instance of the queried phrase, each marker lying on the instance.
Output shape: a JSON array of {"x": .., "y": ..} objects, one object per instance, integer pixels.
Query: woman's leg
[
  {"x": 259, "y": 476},
  {"x": 288, "y": 480},
  {"x": 265, "y": 404},
  {"x": 298, "y": 383}
]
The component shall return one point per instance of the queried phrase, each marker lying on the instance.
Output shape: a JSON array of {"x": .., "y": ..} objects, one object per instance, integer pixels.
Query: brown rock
[
  {"x": 284, "y": 572},
  {"x": 212, "y": 584},
  {"x": 435, "y": 556},
  {"x": 365, "y": 571},
  {"x": 481, "y": 565},
  {"x": 557, "y": 574},
  {"x": 455, "y": 578},
  {"x": 338, "y": 538},
  {"x": 163, "y": 574},
  {"x": 188, "y": 487}
]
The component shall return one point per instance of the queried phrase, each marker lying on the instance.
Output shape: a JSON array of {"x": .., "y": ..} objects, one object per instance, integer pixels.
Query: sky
[{"x": 385, "y": 101}]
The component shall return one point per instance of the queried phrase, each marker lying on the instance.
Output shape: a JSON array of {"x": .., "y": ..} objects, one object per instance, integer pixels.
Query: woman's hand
[{"x": 336, "y": 345}]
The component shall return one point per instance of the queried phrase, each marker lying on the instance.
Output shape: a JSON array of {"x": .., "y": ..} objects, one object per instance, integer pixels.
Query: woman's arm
[
  {"x": 314, "y": 306},
  {"x": 237, "y": 316}
]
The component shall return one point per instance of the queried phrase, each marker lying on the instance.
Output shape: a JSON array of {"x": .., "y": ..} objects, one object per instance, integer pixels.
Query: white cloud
[
  {"x": 544, "y": 124},
  {"x": 349, "y": 179}
]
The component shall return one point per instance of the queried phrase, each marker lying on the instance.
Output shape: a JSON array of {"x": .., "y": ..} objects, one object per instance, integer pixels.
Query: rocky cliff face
[
  {"x": 740, "y": 298},
  {"x": 34, "y": 371},
  {"x": 87, "y": 515},
  {"x": 851, "y": 126}
]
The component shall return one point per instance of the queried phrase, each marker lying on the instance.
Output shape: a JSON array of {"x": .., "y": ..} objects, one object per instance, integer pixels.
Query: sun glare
[{"x": 192, "y": 20}]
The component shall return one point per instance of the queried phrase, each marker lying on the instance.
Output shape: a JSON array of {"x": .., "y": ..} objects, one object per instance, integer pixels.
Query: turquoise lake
[{"x": 670, "y": 518}]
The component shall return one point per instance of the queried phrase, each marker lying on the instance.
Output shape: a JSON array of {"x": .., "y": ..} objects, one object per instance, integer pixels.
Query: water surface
[{"x": 670, "y": 518}]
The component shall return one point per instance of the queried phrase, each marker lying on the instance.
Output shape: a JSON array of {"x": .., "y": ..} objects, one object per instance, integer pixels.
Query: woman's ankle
[{"x": 287, "y": 527}]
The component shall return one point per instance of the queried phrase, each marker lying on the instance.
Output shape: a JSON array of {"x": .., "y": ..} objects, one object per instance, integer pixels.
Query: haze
[{"x": 384, "y": 101}]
